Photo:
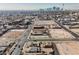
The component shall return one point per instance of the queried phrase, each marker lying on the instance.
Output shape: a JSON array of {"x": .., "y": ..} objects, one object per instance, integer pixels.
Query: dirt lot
[
  {"x": 10, "y": 36},
  {"x": 75, "y": 31},
  {"x": 68, "y": 48},
  {"x": 60, "y": 34}
]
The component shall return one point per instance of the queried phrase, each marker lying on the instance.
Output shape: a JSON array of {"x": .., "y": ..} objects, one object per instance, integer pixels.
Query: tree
[
  {"x": 54, "y": 8},
  {"x": 57, "y": 8}
]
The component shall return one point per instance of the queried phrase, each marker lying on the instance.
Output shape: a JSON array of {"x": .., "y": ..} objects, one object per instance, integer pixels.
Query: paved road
[
  {"x": 25, "y": 38},
  {"x": 74, "y": 34}
]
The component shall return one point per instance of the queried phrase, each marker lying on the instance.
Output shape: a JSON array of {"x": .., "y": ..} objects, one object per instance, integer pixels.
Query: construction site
[{"x": 40, "y": 33}]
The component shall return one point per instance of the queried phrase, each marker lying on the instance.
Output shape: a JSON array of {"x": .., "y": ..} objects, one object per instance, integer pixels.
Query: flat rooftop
[
  {"x": 46, "y": 22},
  {"x": 45, "y": 47},
  {"x": 40, "y": 37}
]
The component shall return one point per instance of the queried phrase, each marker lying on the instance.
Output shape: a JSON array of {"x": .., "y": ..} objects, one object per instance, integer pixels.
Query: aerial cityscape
[{"x": 39, "y": 29}]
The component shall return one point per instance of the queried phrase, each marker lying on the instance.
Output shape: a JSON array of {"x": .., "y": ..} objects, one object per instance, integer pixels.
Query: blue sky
[{"x": 35, "y": 6}]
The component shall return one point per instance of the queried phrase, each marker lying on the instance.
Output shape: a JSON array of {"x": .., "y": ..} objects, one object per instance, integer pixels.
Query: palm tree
[
  {"x": 54, "y": 8},
  {"x": 57, "y": 8}
]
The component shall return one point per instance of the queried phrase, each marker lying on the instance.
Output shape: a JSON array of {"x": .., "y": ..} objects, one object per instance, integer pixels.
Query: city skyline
[{"x": 36, "y": 6}]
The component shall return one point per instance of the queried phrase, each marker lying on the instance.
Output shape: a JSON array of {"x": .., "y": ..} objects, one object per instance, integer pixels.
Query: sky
[{"x": 36, "y": 6}]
